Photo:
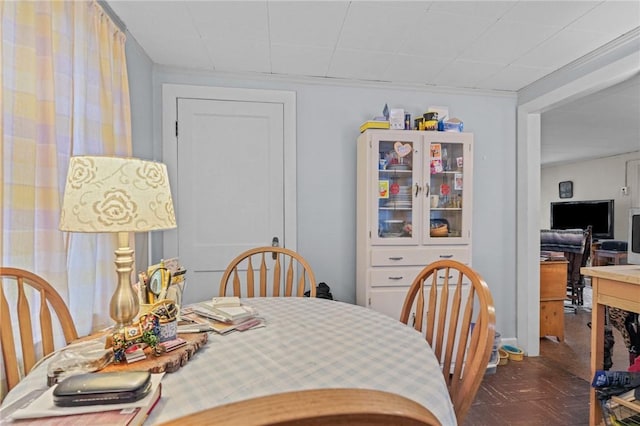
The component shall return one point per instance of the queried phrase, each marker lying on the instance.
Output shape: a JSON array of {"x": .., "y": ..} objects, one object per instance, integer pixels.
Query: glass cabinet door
[
  {"x": 447, "y": 221},
  {"x": 397, "y": 176}
]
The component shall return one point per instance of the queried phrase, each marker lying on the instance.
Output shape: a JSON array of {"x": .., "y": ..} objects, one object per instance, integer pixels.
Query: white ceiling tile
[
  {"x": 559, "y": 13},
  {"x": 411, "y": 6},
  {"x": 376, "y": 26},
  {"x": 188, "y": 53},
  {"x": 512, "y": 77},
  {"x": 561, "y": 48},
  {"x": 611, "y": 17},
  {"x": 170, "y": 18},
  {"x": 444, "y": 34},
  {"x": 307, "y": 23},
  {"x": 359, "y": 64},
  {"x": 486, "y": 9},
  {"x": 414, "y": 69},
  {"x": 583, "y": 128},
  {"x": 496, "y": 45},
  {"x": 240, "y": 56},
  {"x": 220, "y": 19},
  {"x": 507, "y": 40},
  {"x": 461, "y": 73},
  {"x": 300, "y": 60}
]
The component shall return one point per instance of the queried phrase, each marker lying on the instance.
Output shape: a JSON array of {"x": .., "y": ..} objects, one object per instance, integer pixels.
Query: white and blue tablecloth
[{"x": 307, "y": 343}]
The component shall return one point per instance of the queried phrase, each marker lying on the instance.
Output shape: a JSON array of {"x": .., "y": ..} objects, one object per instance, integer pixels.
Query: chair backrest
[
  {"x": 579, "y": 260},
  {"x": 317, "y": 407},
  {"x": 454, "y": 310},
  {"x": 16, "y": 282},
  {"x": 285, "y": 265}
]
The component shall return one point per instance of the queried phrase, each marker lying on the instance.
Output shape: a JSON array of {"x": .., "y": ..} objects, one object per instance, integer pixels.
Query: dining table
[{"x": 306, "y": 343}]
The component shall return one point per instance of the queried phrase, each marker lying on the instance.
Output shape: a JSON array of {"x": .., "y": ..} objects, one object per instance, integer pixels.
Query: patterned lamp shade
[{"x": 114, "y": 194}]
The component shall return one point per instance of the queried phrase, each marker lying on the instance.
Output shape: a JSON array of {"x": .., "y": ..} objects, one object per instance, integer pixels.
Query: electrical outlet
[{"x": 624, "y": 190}]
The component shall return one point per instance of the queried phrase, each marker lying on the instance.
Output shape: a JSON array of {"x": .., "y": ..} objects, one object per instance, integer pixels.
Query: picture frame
[
  {"x": 565, "y": 189},
  {"x": 458, "y": 182},
  {"x": 158, "y": 283}
]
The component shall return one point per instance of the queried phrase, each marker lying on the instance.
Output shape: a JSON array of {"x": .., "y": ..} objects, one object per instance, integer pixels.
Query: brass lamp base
[{"x": 124, "y": 304}]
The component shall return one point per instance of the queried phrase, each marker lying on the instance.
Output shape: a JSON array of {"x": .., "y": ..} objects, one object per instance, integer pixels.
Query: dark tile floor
[{"x": 552, "y": 389}]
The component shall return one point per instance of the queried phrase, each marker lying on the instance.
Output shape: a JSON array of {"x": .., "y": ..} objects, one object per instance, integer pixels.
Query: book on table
[
  {"x": 198, "y": 322},
  {"x": 41, "y": 411},
  {"x": 225, "y": 302},
  {"x": 222, "y": 315},
  {"x": 227, "y": 314}
]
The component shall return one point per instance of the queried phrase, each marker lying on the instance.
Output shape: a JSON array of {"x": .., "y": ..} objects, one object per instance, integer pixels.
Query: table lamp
[{"x": 122, "y": 195}]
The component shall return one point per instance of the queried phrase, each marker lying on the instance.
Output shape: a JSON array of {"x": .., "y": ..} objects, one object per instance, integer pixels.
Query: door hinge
[{"x": 176, "y": 128}]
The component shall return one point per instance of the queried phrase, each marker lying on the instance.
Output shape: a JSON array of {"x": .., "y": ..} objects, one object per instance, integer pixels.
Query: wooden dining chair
[
  {"x": 21, "y": 284},
  {"x": 277, "y": 270},
  {"x": 317, "y": 407},
  {"x": 452, "y": 306}
]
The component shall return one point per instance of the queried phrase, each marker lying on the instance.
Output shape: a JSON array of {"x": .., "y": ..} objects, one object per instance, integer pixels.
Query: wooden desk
[
  {"x": 553, "y": 292},
  {"x": 609, "y": 257},
  {"x": 617, "y": 286}
]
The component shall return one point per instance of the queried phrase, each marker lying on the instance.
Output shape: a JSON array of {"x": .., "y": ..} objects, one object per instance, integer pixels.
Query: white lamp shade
[{"x": 115, "y": 194}]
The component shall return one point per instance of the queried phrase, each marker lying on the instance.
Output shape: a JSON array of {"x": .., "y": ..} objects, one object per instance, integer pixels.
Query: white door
[{"x": 231, "y": 189}]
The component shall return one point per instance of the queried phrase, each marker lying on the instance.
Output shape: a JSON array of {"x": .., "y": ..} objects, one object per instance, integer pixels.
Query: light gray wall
[
  {"x": 139, "y": 71},
  {"x": 599, "y": 179},
  {"x": 328, "y": 118}
]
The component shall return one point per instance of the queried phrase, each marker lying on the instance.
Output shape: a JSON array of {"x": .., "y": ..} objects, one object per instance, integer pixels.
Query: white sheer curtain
[{"x": 64, "y": 92}]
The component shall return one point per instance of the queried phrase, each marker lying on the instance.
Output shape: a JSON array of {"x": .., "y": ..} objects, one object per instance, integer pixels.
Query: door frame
[
  {"x": 611, "y": 64},
  {"x": 170, "y": 95}
]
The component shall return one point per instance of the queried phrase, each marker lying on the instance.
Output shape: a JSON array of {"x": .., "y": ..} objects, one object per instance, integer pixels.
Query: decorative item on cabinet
[
  {"x": 452, "y": 125},
  {"x": 430, "y": 120},
  {"x": 374, "y": 124},
  {"x": 436, "y": 118},
  {"x": 396, "y": 119}
]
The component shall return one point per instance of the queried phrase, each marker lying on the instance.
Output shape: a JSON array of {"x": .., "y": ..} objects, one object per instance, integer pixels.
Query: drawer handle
[
  {"x": 396, "y": 278},
  {"x": 446, "y": 256},
  {"x": 442, "y": 277},
  {"x": 396, "y": 258}
]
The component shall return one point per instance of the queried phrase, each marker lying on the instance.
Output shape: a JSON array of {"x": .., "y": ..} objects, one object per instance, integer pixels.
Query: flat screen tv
[{"x": 580, "y": 214}]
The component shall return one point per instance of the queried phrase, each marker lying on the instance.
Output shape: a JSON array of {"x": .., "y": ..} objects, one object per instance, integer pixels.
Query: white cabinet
[{"x": 413, "y": 208}]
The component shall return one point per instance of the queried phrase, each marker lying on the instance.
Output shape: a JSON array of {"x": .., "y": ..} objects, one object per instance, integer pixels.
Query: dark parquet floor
[{"x": 552, "y": 389}]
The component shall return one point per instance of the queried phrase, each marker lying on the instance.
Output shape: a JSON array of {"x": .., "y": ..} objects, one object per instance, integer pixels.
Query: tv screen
[{"x": 580, "y": 214}]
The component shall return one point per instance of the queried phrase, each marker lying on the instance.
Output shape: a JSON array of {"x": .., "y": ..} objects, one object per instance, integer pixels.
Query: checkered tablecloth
[{"x": 306, "y": 344}]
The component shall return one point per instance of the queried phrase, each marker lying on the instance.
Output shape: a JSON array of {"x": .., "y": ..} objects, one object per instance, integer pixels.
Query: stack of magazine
[
  {"x": 222, "y": 315},
  {"x": 38, "y": 407}
]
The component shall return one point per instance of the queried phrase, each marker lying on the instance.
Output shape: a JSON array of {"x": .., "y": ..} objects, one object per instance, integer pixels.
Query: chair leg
[
  {"x": 573, "y": 296},
  {"x": 580, "y": 296}
]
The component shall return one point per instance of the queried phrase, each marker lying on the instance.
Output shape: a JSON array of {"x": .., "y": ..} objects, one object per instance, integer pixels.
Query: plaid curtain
[{"x": 64, "y": 92}]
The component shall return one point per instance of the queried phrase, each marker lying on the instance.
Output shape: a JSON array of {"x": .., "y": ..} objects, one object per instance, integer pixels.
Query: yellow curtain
[{"x": 64, "y": 92}]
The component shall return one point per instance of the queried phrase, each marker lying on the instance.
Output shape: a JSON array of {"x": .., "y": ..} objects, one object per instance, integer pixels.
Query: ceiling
[
  {"x": 471, "y": 45},
  {"x": 598, "y": 125}
]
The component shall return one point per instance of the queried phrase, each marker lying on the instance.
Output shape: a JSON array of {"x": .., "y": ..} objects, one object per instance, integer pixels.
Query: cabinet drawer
[
  {"x": 392, "y": 277},
  {"x": 553, "y": 280},
  {"x": 418, "y": 256},
  {"x": 395, "y": 277}
]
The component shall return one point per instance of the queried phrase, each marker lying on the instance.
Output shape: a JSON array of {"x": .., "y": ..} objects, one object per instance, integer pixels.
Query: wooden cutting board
[{"x": 168, "y": 362}]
